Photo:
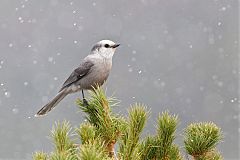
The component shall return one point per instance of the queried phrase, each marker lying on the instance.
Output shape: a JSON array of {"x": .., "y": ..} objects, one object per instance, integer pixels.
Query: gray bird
[{"x": 93, "y": 71}]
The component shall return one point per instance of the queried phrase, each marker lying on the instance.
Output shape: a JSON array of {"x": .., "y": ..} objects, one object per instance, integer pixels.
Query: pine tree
[{"x": 107, "y": 136}]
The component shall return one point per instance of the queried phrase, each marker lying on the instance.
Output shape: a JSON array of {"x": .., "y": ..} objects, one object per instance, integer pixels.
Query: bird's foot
[{"x": 85, "y": 102}]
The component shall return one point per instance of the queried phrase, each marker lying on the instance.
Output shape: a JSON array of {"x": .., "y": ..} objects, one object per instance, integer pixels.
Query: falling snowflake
[
  {"x": 34, "y": 61},
  {"x": 7, "y": 94},
  {"x": 50, "y": 59},
  {"x": 10, "y": 45},
  {"x": 223, "y": 9},
  {"x": 130, "y": 70},
  {"x": 15, "y": 110}
]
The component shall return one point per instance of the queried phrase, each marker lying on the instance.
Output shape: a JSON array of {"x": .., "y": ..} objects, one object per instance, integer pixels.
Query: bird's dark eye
[{"x": 106, "y": 45}]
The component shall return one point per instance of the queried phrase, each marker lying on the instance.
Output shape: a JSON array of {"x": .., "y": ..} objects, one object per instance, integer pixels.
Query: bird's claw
[{"x": 85, "y": 102}]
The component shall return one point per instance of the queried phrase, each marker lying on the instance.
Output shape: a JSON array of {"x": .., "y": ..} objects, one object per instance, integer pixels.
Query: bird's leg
[{"x": 85, "y": 102}]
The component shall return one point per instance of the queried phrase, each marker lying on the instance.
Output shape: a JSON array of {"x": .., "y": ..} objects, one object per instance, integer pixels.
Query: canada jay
[{"x": 93, "y": 71}]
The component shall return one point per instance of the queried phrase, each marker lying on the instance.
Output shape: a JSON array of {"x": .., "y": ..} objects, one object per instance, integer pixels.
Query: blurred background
[{"x": 179, "y": 55}]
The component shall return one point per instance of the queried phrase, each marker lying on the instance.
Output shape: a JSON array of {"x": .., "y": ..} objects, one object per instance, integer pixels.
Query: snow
[
  {"x": 133, "y": 59},
  {"x": 163, "y": 84},
  {"x": 10, "y": 45},
  {"x": 50, "y": 59},
  {"x": 223, "y": 8},
  {"x": 34, "y": 61},
  {"x": 220, "y": 83},
  {"x": 134, "y": 52},
  {"x": 15, "y": 110},
  {"x": 7, "y": 94},
  {"x": 219, "y": 23},
  {"x": 130, "y": 70}
]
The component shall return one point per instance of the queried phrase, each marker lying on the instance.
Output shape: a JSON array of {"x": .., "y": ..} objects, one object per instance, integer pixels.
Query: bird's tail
[{"x": 48, "y": 107}]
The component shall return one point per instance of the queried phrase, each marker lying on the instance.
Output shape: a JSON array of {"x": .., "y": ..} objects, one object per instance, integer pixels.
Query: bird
[{"x": 93, "y": 71}]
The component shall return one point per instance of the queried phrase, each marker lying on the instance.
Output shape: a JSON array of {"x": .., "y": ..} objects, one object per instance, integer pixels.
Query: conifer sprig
[
  {"x": 93, "y": 151},
  {"x": 167, "y": 125},
  {"x": 130, "y": 139},
  {"x": 161, "y": 145},
  {"x": 86, "y": 132},
  {"x": 99, "y": 114},
  {"x": 40, "y": 156},
  {"x": 104, "y": 129},
  {"x": 61, "y": 134},
  {"x": 201, "y": 138}
]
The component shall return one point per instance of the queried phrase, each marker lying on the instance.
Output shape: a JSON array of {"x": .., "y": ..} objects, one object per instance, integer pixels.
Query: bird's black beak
[{"x": 115, "y": 45}]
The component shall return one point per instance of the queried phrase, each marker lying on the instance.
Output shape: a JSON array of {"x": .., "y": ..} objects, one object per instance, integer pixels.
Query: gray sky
[{"x": 179, "y": 55}]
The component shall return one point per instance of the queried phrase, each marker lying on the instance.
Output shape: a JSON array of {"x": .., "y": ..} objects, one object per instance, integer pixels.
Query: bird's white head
[{"x": 105, "y": 48}]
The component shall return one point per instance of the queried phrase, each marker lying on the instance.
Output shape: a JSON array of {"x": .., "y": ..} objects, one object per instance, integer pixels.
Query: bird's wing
[{"x": 78, "y": 73}]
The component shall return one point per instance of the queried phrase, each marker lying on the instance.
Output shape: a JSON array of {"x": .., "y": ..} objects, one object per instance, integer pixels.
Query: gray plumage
[{"x": 94, "y": 70}]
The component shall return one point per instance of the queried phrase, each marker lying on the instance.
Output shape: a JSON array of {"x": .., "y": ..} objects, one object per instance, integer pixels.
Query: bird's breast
[{"x": 97, "y": 75}]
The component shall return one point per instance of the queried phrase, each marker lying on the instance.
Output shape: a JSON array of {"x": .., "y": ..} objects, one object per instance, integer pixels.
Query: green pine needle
[
  {"x": 167, "y": 125},
  {"x": 212, "y": 155},
  {"x": 175, "y": 153},
  {"x": 130, "y": 140},
  {"x": 63, "y": 156},
  {"x": 40, "y": 156},
  {"x": 148, "y": 148},
  {"x": 104, "y": 129},
  {"x": 93, "y": 151},
  {"x": 108, "y": 126},
  {"x": 86, "y": 132},
  {"x": 61, "y": 134},
  {"x": 201, "y": 138}
]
